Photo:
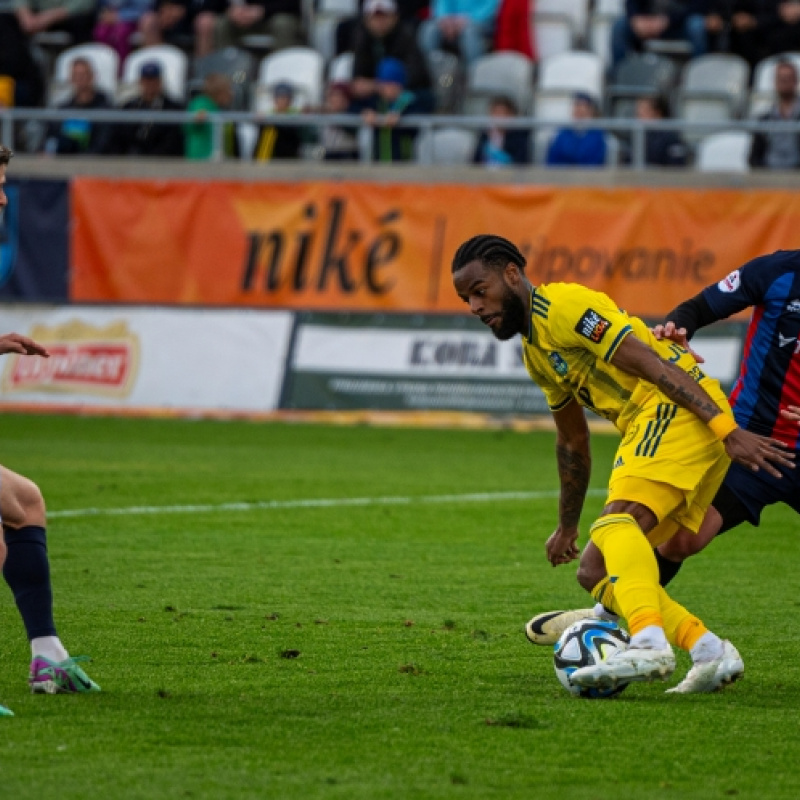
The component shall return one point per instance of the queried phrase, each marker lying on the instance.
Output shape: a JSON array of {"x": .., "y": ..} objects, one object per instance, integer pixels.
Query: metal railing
[{"x": 632, "y": 130}]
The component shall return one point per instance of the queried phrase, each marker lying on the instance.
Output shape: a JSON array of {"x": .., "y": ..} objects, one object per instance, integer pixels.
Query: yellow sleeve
[
  {"x": 556, "y": 396},
  {"x": 581, "y": 317}
]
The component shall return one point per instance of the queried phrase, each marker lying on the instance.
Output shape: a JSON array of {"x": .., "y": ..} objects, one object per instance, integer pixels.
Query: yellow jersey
[{"x": 574, "y": 334}]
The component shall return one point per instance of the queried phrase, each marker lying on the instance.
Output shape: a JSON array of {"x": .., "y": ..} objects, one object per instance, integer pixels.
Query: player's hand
[
  {"x": 677, "y": 335},
  {"x": 758, "y": 452},
  {"x": 14, "y": 343},
  {"x": 792, "y": 413},
  {"x": 561, "y": 547}
]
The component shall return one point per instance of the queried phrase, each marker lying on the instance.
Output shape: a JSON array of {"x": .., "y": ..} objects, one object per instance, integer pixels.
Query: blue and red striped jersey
[{"x": 769, "y": 379}]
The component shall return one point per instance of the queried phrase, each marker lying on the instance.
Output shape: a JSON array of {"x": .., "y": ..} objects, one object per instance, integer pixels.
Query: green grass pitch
[{"x": 370, "y": 651}]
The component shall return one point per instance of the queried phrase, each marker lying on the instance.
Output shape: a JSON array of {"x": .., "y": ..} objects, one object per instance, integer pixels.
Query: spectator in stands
[
  {"x": 16, "y": 59},
  {"x": 782, "y": 26},
  {"x": 467, "y": 25},
  {"x": 217, "y": 95},
  {"x": 514, "y": 30},
  {"x": 149, "y": 138},
  {"x": 117, "y": 21},
  {"x": 176, "y": 21},
  {"x": 79, "y": 136},
  {"x": 338, "y": 143},
  {"x": 738, "y": 27},
  {"x": 501, "y": 147},
  {"x": 579, "y": 147},
  {"x": 381, "y": 35},
  {"x": 75, "y": 17},
  {"x": 280, "y": 19},
  {"x": 779, "y": 150},
  {"x": 662, "y": 148},
  {"x": 411, "y": 13},
  {"x": 383, "y": 110},
  {"x": 659, "y": 19},
  {"x": 279, "y": 141}
]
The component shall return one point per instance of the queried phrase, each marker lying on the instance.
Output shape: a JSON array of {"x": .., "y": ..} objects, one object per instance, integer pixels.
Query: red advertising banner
[{"x": 372, "y": 247}]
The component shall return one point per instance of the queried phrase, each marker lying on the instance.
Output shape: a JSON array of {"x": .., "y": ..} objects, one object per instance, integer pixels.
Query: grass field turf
[{"x": 413, "y": 678}]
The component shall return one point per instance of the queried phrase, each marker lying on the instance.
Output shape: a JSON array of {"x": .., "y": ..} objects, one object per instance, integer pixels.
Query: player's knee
[
  {"x": 588, "y": 575},
  {"x": 30, "y": 501}
]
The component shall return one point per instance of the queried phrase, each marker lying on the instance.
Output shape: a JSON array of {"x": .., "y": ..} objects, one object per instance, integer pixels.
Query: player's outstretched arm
[
  {"x": 749, "y": 449},
  {"x": 574, "y": 459},
  {"x": 15, "y": 343}
]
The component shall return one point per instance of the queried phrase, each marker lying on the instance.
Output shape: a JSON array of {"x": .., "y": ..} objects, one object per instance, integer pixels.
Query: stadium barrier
[
  {"x": 230, "y": 363},
  {"x": 633, "y": 130}
]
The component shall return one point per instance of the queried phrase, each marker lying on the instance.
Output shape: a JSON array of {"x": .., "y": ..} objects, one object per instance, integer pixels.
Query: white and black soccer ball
[{"x": 588, "y": 642}]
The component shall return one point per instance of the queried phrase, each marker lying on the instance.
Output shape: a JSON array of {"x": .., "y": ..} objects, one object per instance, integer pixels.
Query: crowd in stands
[{"x": 396, "y": 49}]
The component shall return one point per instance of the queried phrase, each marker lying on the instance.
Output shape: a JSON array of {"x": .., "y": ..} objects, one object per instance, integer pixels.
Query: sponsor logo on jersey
[
  {"x": 784, "y": 341},
  {"x": 592, "y": 326},
  {"x": 84, "y": 359},
  {"x": 793, "y": 307},
  {"x": 730, "y": 283},
  {"x": 558, "y": 364},
  {"x": 618, "y": 463}
]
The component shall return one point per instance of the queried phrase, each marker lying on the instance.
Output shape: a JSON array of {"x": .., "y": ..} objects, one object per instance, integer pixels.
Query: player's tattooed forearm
[
  {"x": 691, "y": 398},
  {"x": 574, "y": 470}
]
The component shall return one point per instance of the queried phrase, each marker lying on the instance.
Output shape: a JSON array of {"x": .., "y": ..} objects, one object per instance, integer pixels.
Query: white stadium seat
[
  {"x": 104, "y": 61},
  {"x": 502, "y": 73},
  {"x": 724, "y": 152},
  {"x": 762, "y": 95},
  {"x": 302, "y": 67},
  {"x": 446, "y": 146},
  {"x": 174, "y": 66},
  {"x": 341, "y": 68}
]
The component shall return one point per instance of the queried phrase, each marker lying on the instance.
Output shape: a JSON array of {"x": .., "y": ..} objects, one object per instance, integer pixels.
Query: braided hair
[{"x": 494, "y": 252}]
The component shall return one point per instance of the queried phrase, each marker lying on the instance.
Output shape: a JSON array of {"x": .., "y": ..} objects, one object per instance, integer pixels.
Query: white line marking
[{"x": 329, "y": 502}]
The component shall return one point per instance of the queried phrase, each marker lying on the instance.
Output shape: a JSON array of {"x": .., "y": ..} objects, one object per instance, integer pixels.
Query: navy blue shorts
[{"x": 757, "y": 490}]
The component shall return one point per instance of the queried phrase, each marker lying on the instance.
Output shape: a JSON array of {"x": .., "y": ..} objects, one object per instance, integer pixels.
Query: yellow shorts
[{"x": 670, "y": 462}]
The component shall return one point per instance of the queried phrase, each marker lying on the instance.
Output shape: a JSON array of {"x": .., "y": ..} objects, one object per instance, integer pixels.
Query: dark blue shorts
[{"x": 757, "y": 490}]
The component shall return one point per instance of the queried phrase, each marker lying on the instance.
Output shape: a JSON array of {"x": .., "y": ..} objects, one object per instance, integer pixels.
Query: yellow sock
[
  {"x": 604, "y": 593},
  {"x": 683, "y": 629},
  {"x": 632, "y": 569}
]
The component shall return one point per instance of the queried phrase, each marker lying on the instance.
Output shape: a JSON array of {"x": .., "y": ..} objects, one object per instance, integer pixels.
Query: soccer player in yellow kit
[{"x": 678, "y": 433}]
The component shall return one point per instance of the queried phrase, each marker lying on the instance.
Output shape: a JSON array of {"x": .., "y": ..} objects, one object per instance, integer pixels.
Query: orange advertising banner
[{"x": 375, "y": 247}]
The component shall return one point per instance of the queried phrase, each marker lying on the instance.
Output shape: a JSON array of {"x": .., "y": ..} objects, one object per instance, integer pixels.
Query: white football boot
[
  {"x": 709, "y": 676},
  {"x": 627, "y": 666},
  {"x": 546, "y": 628}
]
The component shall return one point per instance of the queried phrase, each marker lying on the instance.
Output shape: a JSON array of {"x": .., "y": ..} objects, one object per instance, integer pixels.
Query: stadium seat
[
  {"x": 447, "y": 78},
  {"x": 559, "y": 78},
  {"x": 341, "y": 68},
  {"x": 322, "y": 25},
  {"x": 763, "y": 93},
  {"x": 504, "y": 73},
  {"x": 639, "y": 75},
  {"x": 575, "y": 12},
  {"x": 303, "y": 67},
  {"x": 600, "y": 24},
  {"x": 174, "y": 65},
  {"x": 552, "y": 33},
  {"x": 104, "y": 61},
  {"x": 559, "y": 25},
  {"x": 724, "y": 152},
  {"x": 448, "y": 146},
  {"x": 236, "y": 64},
  {"x": 713, "y": 88}
]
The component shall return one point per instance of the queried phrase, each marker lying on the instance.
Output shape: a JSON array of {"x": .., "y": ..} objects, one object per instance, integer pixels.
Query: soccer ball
[{"x": 588, "y": 642}]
